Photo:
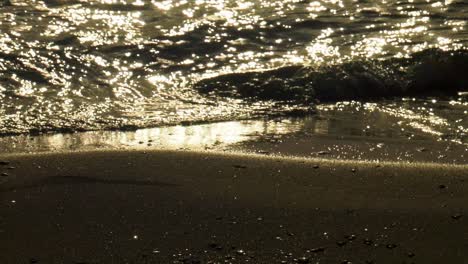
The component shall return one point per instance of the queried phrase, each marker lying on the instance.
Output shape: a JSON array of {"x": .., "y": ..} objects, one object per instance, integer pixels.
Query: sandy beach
[
  {"x": 210, "y": 207},
  {"x": 233, "y": 132}
]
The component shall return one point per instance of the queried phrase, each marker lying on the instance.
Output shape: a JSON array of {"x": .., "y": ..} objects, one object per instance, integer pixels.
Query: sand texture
[{"x": 201, "y": 207}]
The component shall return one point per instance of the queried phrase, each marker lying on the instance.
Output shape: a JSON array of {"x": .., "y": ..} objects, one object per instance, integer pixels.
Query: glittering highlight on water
[{"x": 125, "y": 64}]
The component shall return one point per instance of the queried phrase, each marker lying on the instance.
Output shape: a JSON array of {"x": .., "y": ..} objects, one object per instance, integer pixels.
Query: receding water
[{"x": 74, "y": 65}]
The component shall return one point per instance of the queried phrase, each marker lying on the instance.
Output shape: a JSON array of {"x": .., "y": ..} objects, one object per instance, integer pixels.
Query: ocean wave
[
  {"x": 75, "y": 65},
  {"x": 428, "y": 73}
]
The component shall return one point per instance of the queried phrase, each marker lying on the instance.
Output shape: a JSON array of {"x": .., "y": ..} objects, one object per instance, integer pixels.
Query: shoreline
[
  {"x": 237, "y": 154},
  {"x": 310, "y": 137}
]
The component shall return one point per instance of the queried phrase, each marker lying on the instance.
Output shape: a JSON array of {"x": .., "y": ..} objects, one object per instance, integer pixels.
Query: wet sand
[
  {"x": 210, "y": 207},
  {"x": 357, "y": 148}
]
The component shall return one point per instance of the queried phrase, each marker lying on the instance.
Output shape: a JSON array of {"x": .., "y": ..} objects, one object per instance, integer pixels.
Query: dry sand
[{"x": 206, "y": 207}]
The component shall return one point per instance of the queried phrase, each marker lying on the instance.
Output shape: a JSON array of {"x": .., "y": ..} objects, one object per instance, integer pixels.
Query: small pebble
[
  {"x": 391, "y": 246},
  {"x": 411, "y": 254},
  {"x": 316, "y": 166},
  {"x": 240, "y": 167},
  {"x": 457, "y": 216},
  {"x": 317, "y": 250},
  {"x": 4, "y": 174},
  {"x": 215, "y": 246},
  {"x": 442, "y": 186},
  {"x": 341, "y": 243},
  {"x": 3, "y": 163},
  {"x": 240, "y": 252},
  {"x": 303, "y": 260}
]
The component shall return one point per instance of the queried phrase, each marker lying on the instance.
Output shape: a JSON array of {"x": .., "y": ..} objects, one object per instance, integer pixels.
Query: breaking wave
[{"x": 427, "y": 73}]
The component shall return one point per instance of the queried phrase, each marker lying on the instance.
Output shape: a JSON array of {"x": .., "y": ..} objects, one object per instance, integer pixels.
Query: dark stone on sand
[
  {"x": 316, "y": 166},
  {"x": 317, "y": 250},
  {"x": 11, "y": 168},
  {"x": 457, "y": 216},
  {"x": 303, "y": 260},
  {"x": 367, "y": 242},
  {"x": 4, "y": 174},
  {"x": 422, "y": 149},
  {"x": 215, "y": 246},
  {"x": 240, "y": 252},
  {"x": 33, "y": 260},
  {"x": 351, "y": 237},
  {"x": 190, "y": 260},
  {"x": 4, "y": 163},
  {"x": 391, "y": 246},
  {"x": 353, "y": 170},
  {"x": 442, "y": 186},
  {"x": 410, "y": 254},
  {"x": 323, "y": 152},
  {"x": 240, "y": 166},
  {"x": 341, "y": 243}
]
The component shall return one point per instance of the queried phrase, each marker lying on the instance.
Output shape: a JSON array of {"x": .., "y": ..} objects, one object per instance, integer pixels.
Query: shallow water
[{"x": 126, "y": 64}]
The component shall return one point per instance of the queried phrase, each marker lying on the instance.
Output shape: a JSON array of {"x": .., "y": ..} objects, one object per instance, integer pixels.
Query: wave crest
[{"x": 427, "y": 73}]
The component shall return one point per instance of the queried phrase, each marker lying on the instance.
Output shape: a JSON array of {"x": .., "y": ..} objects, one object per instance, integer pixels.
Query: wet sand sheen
[{"x": 195, "y": 207}]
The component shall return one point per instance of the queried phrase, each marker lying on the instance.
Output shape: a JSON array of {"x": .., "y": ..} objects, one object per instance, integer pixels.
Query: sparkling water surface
[{"x": 127, "y": 64}]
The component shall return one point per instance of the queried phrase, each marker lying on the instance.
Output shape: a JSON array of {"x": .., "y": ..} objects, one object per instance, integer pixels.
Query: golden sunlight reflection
[
  {"x": 194, "y": 137},
  {"x": 117, "y": 64},
  {"x": 343, "y": 120}
]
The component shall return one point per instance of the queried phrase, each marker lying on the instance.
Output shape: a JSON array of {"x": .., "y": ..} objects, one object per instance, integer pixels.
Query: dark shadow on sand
[{"x": 74, "y": 180}]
